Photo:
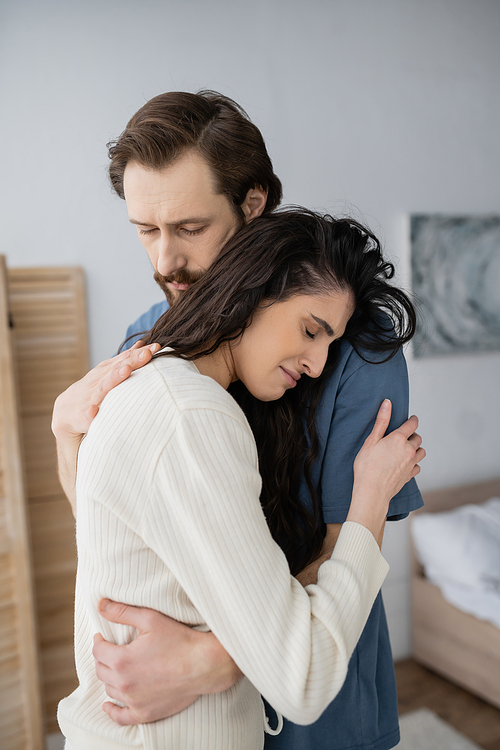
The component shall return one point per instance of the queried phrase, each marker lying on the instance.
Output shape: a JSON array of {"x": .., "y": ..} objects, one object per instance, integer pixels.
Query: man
[{"x": 193, "y": 169}]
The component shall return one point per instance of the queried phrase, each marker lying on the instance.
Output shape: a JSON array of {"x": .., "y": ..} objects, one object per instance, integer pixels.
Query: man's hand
[
  {"x": 310, "y": 573},
  {"x": 78, "y": 405},
  {"x": 165, "y": 669}
]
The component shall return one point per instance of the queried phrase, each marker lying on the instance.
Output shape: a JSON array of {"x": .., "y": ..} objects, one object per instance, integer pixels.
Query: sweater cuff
[{"x": 357, "y": 547}]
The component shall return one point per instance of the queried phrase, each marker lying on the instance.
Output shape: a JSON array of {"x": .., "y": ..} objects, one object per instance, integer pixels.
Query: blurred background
[{"x": 380, "y": 109}]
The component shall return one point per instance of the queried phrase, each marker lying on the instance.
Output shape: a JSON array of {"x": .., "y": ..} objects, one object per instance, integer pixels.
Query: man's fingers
[
  {"x": 120, "y": 370},
  {"x": 122, "y": 716},
  {"x": 137, "y": 357},
  {"x": 114, "y": 694},
  {"x": 91, "y": 413},
  {"x": 125, "y": 614},
  {"x": 105, "y": 654},
  {"x": 382, "y": 420}
]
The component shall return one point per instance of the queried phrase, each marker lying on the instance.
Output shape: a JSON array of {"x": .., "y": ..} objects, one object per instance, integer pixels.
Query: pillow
[{"x": 461, "y": 546}]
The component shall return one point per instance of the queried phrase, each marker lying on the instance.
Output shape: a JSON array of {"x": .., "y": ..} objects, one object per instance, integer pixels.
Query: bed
[{"x": 457, "y": 645}]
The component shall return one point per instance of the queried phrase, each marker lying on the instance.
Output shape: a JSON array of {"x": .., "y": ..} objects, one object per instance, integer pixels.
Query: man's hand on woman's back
[{"x": 165, "y": 669}]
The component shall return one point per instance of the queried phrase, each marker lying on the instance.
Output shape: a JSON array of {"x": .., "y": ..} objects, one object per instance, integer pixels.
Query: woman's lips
[{"x": 290, "y": 379}]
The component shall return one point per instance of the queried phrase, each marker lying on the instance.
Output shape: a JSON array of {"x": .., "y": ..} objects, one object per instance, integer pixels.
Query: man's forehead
[
  {"x": 188, "y": 175},
  {"x": 183, "y": 190},
  {"x": 171, "y": 210}
]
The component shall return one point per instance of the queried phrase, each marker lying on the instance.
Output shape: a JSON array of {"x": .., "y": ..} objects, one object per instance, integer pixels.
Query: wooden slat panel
[
  {"x": 51, "y": 351},
  {"x": 21, "y": 725}
]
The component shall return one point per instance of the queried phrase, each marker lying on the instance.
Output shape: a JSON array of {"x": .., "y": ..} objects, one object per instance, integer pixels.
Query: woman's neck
[{"x": 218, "y": 366}]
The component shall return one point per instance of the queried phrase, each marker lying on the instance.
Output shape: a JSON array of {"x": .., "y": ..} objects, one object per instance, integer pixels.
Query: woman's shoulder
[
  {"x": 190, "y": 390},
  {"x": 151, "y": 404}
]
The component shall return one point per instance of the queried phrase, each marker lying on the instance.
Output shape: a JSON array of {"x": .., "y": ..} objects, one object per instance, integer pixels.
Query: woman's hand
[
  {"x": 78, "y": 405},
  {"x": 382, "y": 467}
]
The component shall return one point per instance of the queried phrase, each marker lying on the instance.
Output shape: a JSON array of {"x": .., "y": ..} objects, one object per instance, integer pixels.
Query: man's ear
[{"x": 254, "y": 203}]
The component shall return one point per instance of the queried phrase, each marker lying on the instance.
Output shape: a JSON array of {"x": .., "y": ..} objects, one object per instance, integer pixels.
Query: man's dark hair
[{"x": 208, "y": 123}]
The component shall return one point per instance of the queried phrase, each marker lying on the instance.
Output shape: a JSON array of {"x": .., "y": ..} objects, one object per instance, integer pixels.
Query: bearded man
[{"x": 193, "y": 169}]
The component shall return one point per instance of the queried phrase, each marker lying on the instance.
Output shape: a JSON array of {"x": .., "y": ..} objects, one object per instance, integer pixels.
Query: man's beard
[{"x": 181, "y": 277}]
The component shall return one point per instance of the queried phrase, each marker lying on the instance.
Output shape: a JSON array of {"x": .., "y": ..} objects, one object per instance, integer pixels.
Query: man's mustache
[{"x": 179, "y": 277}]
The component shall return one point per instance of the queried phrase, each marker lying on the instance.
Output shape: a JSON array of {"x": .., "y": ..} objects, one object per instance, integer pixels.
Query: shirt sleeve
[
  {"x": 204, "y": 520},
  {"x": 361, "y": 391},
  {"x": 144, "y": 323}
]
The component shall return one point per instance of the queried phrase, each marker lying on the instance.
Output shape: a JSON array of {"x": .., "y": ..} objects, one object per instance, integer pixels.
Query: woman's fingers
[
  {"x": 382, "y": 421},
  {"x": 409, "y": 427},
  {"x": 415, "y": 440},
  {"x": 420, "y": 454}
]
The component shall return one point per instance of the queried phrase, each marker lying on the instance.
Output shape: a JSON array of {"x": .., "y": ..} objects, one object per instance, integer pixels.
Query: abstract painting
[{"x": 456, "y": 280}]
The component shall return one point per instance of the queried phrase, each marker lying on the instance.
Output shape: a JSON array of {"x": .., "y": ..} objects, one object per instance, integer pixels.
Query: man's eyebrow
[
  {"x": 190, "y": 220},
  {"x": 329, "y": 330}
]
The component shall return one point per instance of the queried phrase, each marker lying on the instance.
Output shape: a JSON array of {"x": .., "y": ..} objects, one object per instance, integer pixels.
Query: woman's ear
[{"x": 254, "y": 203}]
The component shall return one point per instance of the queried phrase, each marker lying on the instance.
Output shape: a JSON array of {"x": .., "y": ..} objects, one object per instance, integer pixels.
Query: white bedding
[{"x": 460, "y": 552}]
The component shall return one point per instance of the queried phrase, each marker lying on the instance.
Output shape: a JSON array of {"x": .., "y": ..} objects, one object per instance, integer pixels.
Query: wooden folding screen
[
  {"x": 21, "y": 726},
  {"x": 48, "y": 313}
]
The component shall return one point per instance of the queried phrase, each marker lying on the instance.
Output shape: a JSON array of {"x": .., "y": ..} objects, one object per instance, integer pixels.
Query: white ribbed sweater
[{"x": 168, "y": 517}]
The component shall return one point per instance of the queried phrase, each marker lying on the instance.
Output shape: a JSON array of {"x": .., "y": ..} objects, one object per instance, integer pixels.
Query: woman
[{"x": 168, "y": 512}]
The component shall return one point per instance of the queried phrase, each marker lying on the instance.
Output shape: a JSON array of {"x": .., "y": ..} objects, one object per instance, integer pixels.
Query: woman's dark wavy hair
[{"x": 290, "y": 252}]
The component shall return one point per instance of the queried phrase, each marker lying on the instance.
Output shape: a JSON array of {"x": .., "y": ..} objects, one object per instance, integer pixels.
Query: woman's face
[{"x": 288, "y": 339}]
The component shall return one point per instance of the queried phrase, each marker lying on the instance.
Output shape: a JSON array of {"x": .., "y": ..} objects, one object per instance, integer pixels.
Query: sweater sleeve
[{"x": 203, "y": 519}]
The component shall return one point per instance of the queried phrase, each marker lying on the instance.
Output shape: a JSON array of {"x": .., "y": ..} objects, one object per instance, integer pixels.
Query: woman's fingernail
[{"x": 385, "y": 405}]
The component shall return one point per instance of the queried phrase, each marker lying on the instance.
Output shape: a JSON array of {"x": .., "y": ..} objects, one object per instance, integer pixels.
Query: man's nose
[{"x": 170, "y": 258}]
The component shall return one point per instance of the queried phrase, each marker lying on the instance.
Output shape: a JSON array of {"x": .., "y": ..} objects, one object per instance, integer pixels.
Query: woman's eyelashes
[{"x": 310, "y": 334}]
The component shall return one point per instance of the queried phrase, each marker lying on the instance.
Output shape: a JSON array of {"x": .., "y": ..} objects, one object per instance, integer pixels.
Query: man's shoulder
[
  {"x": 145, "y": 322},
  {"x": 358, "y": 366}
]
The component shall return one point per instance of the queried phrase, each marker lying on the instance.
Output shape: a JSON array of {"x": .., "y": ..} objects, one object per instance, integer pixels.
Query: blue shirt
[{"x": 364, "y": 715}]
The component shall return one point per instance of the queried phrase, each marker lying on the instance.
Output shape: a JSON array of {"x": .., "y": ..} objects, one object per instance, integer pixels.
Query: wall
[{"x": 381, "y": 108}]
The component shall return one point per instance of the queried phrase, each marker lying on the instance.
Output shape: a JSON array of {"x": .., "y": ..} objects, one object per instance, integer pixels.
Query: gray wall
[{"x": 377, "y": 107}]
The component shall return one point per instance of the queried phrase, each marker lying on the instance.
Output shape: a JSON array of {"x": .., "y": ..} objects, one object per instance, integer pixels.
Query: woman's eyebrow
[{"x": 329, "y": 330}]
